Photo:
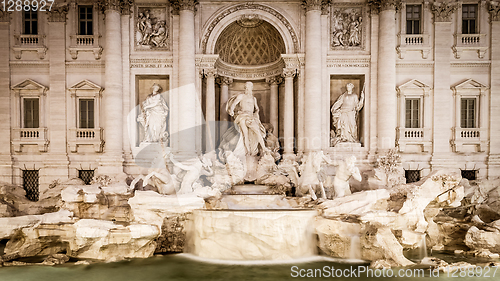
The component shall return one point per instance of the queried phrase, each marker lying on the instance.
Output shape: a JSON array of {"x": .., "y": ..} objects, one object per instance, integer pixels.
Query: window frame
[
  {"x": 475, "y": 19},
  {"x": 31, "y": 20},
  {"x": 413, "y": 20},
  {"x": 23, "y": 110},
  {"x": 86, "y": 20},
  {"x": 79, "y": 112},
  {"x": 476, "y": 109},
  {"x": 419, "y": 111}
]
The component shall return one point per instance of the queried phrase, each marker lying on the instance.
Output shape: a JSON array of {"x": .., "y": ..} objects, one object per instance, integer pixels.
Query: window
[
  {"x": 86, "y": 175},
  {"x": 30, "y": 22},
  {"x": 468, "y": 113},
  {"x": 469, "y": 174},
  {"x": 86, "y": 113},
  {"x": 413, "y": 15},
  {"x": 31, "y": 113},
  {"x": 412, "y": 113},
  {"x": 85, "y": 20},
  {"x": 30, "y": 184},
  {"x": 412, "y": 176},
  {"x": 469, "y": 18}
]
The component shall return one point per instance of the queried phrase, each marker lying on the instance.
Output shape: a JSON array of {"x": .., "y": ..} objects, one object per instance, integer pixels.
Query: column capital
[
  {"x": 4, "y": 16},
  {"x": 179, "y": 5},
  {"x": 311, "y": 5},
  {"x": 126, "y": 6},
  {"x": 494, "y": 9},
  {"x": 443, "y": 11},
  {"x": 223, "y": 80},
  {"x": 121, "y": 6},
  {"x": 58, "y": 13},
  {"x": 210, "y": 72},
  {"x": 275, "y": 80},
  {"x": 289, "y": 72},
  {"x": 381, "y": 5}
]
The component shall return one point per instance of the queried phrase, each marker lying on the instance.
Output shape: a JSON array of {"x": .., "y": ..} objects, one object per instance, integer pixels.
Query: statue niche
[{"x": 153, "y": 116}]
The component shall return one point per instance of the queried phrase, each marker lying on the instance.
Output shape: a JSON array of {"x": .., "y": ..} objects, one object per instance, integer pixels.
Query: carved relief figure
[
  {"x": 201, "y": 166},
  {"x": 346, "y": 27},
  {"x": 344, "y": 115},
  {"x": 244, "y": 109},
  {"x": 154, "y": 116},
  {"x": 151, "y": 29}
]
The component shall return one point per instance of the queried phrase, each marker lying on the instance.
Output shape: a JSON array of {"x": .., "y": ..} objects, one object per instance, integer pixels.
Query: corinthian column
[
  {"x": 386, "y": 91},
  {"x": 56, "y": 165},
  {"x": 111, "y": 162},
  {"x": 224, "y": 96},
  {"x": 273, "y": 104},
  {"x": 494, "y": 157},
  {"x": 187, "y": 101},
  {"x": 288, "y": 116},
  {"x": 312, "y": 122},
  {"x": 5, "y": 95},
  {"x": 210, "y": 109},
  {"x": 441, "y": 148}
]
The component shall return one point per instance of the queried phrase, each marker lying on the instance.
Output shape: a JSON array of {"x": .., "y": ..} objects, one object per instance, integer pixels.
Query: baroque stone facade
[{"x": 73, "y": 89}]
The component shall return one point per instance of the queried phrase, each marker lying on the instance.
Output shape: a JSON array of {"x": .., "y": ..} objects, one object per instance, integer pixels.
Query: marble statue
[
  {"x": 344, "y": 115},
  {"x": 272, "y": 142},
  {"x": 154, "y": 116},
  {"x": 162, "y": 180},
  {"x": 201, "y": 166},
  {"x": 309, "y": 171},
  {"x": 244, "y": 109},
  {"x": 345, "y": 170}
]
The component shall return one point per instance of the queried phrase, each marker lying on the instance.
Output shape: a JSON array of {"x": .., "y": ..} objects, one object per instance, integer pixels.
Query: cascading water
[
  {"x": 422, "y": 253},
  {"x": 252, "y": 227},
  {"x": 355, "y": 248}
]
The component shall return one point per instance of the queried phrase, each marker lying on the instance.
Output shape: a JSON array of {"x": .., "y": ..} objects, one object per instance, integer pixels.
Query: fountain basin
[{"x": 278, "y": 234}]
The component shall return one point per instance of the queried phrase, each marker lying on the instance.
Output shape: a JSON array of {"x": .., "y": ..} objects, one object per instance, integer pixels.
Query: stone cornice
[
  {"x": 4, "y": 16},
  {"x": 443, "y": 11},
  {"x": 494, "y": 8},
  {"x": 58, "y": 13}
]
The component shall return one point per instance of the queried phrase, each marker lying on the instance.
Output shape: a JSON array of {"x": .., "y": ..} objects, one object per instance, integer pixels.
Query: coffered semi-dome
[{"x": 250, "y": 41}]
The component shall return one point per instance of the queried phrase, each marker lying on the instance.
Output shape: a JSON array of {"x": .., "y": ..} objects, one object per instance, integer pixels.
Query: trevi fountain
[
  {"x": 233, "y": 140},
  {"x": 244, "y": 204}
]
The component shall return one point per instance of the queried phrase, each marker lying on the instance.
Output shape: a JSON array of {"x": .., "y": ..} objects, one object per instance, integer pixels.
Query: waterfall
[
  {"x": 422, "y": 253},
  {"x": 355, "y": 248}
]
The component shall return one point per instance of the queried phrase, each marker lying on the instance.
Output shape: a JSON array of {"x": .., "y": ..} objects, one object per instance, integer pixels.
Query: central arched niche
[{"x": 250, "y": 41}]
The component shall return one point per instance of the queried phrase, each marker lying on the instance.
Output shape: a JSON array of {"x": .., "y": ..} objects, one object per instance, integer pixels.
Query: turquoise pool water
[{"x": 183, "y": 267}]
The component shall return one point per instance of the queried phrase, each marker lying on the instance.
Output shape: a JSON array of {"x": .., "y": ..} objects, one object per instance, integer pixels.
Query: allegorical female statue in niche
[
  {"x": 344, "y": 115},
  {"x": 154, "y": 116}
]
